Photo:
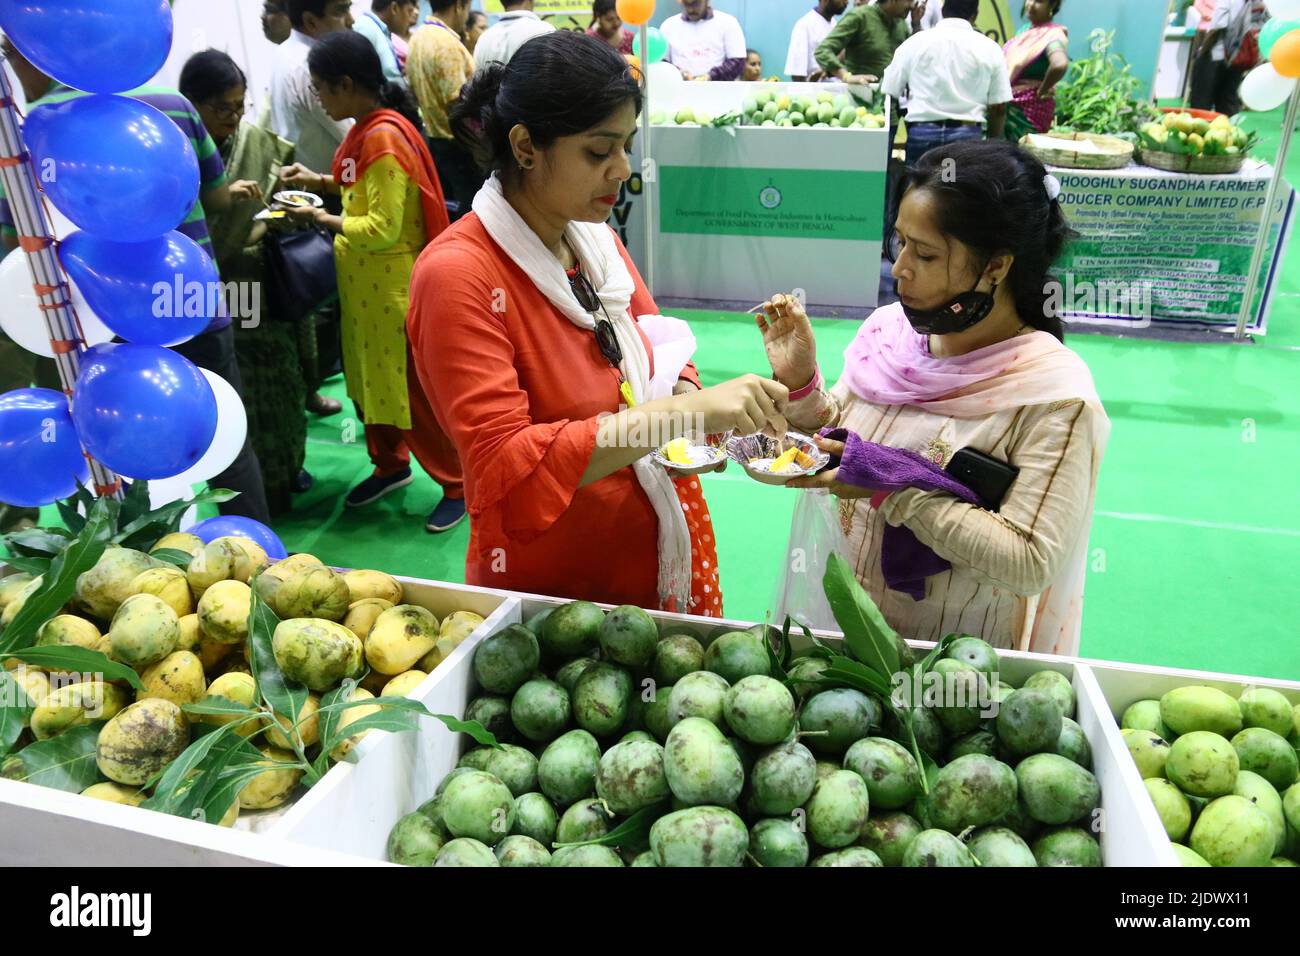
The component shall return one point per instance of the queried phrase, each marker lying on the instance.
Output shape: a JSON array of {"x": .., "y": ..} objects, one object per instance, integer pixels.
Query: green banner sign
[{"x": 772, "y": 203}]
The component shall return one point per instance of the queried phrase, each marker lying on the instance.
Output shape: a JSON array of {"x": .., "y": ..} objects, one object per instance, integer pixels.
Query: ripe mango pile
[{"x": 1187, "y": 135}]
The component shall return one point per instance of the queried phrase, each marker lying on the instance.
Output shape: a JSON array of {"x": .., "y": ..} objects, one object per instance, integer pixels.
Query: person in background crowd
[
  {"x": 296, "y": 113},
  {"x": 977, "y": 219},
  {"x": 270, "y": 366},
  {"x": 867, "y": 36},
  {"x": 753, "y": 71},
  {"x": 275, "y": 21},
  {"x": 214, "y": 348},
  {"x": 808, "y": 33},
  {"x": 392, "y": 207},
  {"x": 376, "y": 25},
  {"x": 955, "y": 79},
  {"x": 607, "y": 25},
  {"x": 513, "y": 29},
  {"x": 475, "y": 27},
  {"x": 1225, "y": 52},
  {"x": 536, "y": 393},
  {"x": 438, "y": 66},
  {"x": 926, "y": 14},
  {"x": 297, "y": 117},
  {"x": 1037, "y": 58},
  {"x": 402, "y": 33},
  {"x": 705, "y": 44}
]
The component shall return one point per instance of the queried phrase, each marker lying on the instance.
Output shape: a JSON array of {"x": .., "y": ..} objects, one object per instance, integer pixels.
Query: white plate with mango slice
[
  {"x": 774, "y": 462},
  {"x": 689, "y": 456}
]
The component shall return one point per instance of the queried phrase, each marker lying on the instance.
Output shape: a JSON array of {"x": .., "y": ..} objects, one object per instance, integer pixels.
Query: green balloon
[
  {"x": 658, "y": 46},
  {"x": 1272, "y": 32}
]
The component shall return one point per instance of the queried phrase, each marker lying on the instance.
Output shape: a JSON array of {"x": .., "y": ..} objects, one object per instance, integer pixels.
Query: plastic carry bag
[{"x": 815, "y": 534}]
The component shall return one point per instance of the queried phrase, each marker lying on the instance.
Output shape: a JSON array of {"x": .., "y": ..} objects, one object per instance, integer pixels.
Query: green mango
[
  {"x": 567, "y": 769},
  {"x": 1055, "y": 685},
  {"x": 1145, "y": 715},
  {"x": 838, "y": 810},
  {"x": 586, "y": 856},
  {"x": 1233, "y": 831},
  {"x": 1203, "y": 764},
  {"x": 1188, "y": 709},
  {"x": 698, "y": 837},
  {"x": 1265, "y": 707},
  {"x": 778, "y": 841},
  {"x": 535, "y": 817},
  {"x": 574, "y": 628},
  {"x": 585, "y": 820},
  {"x": 759, "y": 710},
  {"x": 1175, "y": 812},
  {"x": 479, "y": 806},
  {"x": 737, "y": 655},
  {"x": 493, "y": 712},
  {"x": 628, "y": 636},
  {"x": 1029, "y": 722},
  {"x": 937, "y": 848},
  {"x": 845, "y": 715},
  {"x": 888, "y": 835},
  {"x": 1073, "y": 743},
  {"x": 701, "y": 766},
  {"x": 891, "y": 773},
  {"x": 1267, "y": 754},
  {"x": 465, "y": 851},
  {"x": 631, "y": 776},
  {"x": 972, "y": 791},
  {"x": 415, "y": 841},
  {"x": 999, "y": 846},
  {"x": 701, "y": 694},
  {"x": 1067, "y": 846},
  {"x": 1056, "y": 789},
  {"x": 517, "y": 850},
  {"x": 540, "y": 710},
  {"x": 504, "y": 661},
  {"x": 1261, "y": 793},
  {"x": 676, "y": 656},
  {"x": 1149, "y": 751},
  {"x": 602, "y": 699},
  {"x": 783, "y": 778},
  {"x": 849, "y": 856},
  {"x": 513, "y": 766}
]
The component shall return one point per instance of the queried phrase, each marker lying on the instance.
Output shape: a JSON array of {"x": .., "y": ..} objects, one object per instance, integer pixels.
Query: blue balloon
[
  {"x": 116, "y": 167},
  {"x": 40, "y": 457},
  {"x": 233, "y": 525},
  {"x": 100, "y": 46},
  {"x": 161, "y": 291},
  {"x": 143, "y": 411}
]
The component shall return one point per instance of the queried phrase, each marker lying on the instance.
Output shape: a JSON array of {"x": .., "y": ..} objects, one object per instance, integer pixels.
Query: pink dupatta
[{"x": 888, "y": 363}]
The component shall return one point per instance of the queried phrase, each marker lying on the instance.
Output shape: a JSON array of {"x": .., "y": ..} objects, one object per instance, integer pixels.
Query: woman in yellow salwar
[{"x": 392, "y": 207}]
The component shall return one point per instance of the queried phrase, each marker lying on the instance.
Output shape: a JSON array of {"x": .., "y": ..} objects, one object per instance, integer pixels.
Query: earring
[{"x": 526, "y": 165}]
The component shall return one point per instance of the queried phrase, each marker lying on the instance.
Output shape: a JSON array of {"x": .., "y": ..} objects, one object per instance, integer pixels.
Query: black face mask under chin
[{"x": 956, "y": 315}]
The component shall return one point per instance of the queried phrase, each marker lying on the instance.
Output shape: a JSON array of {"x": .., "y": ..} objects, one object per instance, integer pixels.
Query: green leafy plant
[{"x": 1101, "y": 95}]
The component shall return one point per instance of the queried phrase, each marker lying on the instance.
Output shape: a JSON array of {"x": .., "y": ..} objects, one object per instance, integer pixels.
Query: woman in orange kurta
[{"x": 532, "y": 376}]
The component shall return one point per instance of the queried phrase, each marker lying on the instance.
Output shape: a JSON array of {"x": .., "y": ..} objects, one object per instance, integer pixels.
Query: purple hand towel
[{"x": 904, "y": 561}]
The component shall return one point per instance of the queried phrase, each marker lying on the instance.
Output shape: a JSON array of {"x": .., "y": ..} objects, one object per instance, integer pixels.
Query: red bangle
[
  {"x": 878, "y": 499},
  {"x": 802, "y": 393}
]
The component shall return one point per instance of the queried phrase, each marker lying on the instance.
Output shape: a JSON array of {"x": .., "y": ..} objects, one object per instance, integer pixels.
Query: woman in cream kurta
[{"x": 988, "y": 591}]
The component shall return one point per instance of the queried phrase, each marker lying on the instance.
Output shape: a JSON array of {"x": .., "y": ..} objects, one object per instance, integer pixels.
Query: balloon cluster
[
  {"x": 1268, "y": 85},
  {"x": 126, "y": 176}
]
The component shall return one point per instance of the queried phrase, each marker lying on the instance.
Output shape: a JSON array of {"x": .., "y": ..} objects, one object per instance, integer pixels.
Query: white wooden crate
[
  {"x": 401, "y": 772},
  {"x": 41, "y": 826},
  {"x": 1122, "y": 685}
]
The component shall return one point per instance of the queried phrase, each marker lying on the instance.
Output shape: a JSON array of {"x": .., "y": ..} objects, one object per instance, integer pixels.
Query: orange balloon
[
  {"x": 635, "y": 12},
  {"x": 634, "y": 62},
  {"x": 1286, "y": 54}
]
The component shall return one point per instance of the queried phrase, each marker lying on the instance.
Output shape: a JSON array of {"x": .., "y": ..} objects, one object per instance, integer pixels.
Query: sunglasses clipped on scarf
[{"x": 606, "y": 339}]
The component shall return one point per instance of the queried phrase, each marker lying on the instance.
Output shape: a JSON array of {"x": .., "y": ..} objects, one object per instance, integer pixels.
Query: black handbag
[{"x": 300, "y": 269}]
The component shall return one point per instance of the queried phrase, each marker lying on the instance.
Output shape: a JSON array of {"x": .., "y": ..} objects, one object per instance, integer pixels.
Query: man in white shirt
[
  {"x": 296, "y": 112},
  {"x": 955, "y": 77},
  {"x": 705, "y": 44},
  {"x": 810, "y": 30},
  {"x": 517, "y": 26},
  {"x": 377, "y": 27}
]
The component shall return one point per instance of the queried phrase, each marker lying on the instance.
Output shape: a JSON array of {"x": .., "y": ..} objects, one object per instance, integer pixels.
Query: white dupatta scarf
[{"x": 604, "y": 268}]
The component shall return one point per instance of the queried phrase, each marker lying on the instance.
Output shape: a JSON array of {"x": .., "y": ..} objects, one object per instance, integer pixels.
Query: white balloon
[
  {"x": 232, "y": 430},
  {"x": 1264, "y": 88},
  {"x": 164, "y": 491},
  {"x": 663, "y": 74},
  {"x": 1283, "y": 9},
  {"x": 21, "y": 317}
]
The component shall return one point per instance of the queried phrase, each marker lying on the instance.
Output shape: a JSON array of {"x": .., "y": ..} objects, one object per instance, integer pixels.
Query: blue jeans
[{"x": 923, "y": 137}]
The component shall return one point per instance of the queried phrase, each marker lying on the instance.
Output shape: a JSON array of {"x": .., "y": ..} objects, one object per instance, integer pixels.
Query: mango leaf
[
  {"x": 208, "y": 794},
  {"x": 173, "y": 556},
  {"x": 134, "y": 503},
  {"x": 283, "y": 696},
  {"x": 37, "y": 542},
  {"x": 170, "y": 782},
  {"x": 634, "y": 831},
  {"x": 70, "y": 516},
  {"x": 867, "y": 635},
  {"x": 228, "y": 783},
  {"x": 79, "y": 660},
  {"x": 65, "y": 762},
  {"x": 144, "y": 532},
  {"x": 220, "y": 706},
  {"x": 388, "y": 719},
  {"x": 30, "y": 565},
  {"x": 15, "y": 709},
  {"x": 327, "y": 721},
  {"x": 60, "y": 584},
  {"x": 480, "y": 734},
  {"x": 859, "y": 676}
]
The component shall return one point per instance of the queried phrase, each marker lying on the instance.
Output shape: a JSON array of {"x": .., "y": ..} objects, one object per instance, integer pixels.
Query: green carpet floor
[{"x": 1197, "y": 530}]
